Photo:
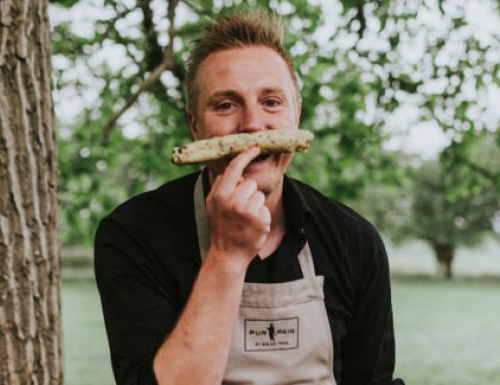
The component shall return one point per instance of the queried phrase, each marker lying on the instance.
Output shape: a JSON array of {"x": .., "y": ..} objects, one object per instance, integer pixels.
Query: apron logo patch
[{"x": 264, "y": 335}]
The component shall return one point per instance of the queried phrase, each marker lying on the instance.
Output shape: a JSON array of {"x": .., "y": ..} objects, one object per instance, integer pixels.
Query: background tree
[
  {"x": 30, "y": 324},
  {"x": 446, "y": 223},
  {"x": 426, "y": 207},
  {"x": 371, "y": 71}
]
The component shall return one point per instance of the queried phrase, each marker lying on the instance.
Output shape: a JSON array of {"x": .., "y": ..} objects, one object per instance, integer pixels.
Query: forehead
[{"x": 244, "y": 69}]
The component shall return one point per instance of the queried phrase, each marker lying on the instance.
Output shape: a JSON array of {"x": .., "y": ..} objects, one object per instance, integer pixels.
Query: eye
[
  {"x": 225, "y": 107},
  {"x": 272, "y": 103}
]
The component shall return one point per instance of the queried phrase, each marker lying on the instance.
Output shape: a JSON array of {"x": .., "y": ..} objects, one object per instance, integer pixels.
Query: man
[{"x": 240, "y": 274}]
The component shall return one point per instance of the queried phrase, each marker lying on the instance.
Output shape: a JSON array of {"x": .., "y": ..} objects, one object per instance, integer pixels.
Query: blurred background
[{"x": 403, "y": 98}]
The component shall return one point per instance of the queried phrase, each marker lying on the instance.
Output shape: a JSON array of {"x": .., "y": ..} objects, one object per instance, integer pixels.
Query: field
[
  {"x": 85, "y": 345},
  {"x": 448, "y": 333}
]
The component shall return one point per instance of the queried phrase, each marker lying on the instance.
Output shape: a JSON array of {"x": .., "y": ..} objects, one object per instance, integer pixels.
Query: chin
[
  {"x": 267, "y": 181},
  {"x": 268, "y": 171}
]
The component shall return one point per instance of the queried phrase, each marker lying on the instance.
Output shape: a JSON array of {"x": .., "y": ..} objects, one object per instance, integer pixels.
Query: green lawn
[
  {"x": 448, "y": 333},
  {"x": 85, "y": 345}
]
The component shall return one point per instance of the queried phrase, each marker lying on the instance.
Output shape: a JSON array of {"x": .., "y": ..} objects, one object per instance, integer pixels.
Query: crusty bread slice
[{"x": 269, "y": 141}]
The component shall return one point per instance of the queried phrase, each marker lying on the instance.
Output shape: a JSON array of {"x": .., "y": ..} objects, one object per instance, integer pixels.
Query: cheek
[
  {"x": 218, "y": 127},
  {"x": 284, "y": 160},
  {"x": 217, "y": 167}
]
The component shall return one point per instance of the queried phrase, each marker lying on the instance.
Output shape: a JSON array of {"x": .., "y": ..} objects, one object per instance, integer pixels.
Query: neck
[{"x": 274, "y": 202}]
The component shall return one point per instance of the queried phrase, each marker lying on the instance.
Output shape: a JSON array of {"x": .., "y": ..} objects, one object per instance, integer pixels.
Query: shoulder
[
  {"x": 169, "y": 205},
  {"x": 170, "y": 196},
  {"x": 331, "y": 212},
  {"x": 342, "y": 234},
  {"x": 149, "y": 243}
]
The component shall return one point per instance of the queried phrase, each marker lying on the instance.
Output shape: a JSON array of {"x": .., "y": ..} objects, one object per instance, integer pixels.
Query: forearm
[{"x": 197, "y": 349}]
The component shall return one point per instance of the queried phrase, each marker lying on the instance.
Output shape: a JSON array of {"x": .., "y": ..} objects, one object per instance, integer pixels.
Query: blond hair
[{"x": 239, "y": 28}]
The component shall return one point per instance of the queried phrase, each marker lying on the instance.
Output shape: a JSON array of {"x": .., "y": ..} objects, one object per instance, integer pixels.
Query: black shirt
[{"x": 147, "y": 259}]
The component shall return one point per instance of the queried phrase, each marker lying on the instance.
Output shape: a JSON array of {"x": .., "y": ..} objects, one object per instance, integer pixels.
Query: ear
[{"x": 193, "y": 125}]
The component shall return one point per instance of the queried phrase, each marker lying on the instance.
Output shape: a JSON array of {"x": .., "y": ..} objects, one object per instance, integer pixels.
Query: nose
[{"x": 252, "y": 119}]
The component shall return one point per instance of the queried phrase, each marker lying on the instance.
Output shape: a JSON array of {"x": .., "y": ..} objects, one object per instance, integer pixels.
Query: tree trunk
[
  {"x": 30, "y": 323},
  {"x": 444, "y": 254}
]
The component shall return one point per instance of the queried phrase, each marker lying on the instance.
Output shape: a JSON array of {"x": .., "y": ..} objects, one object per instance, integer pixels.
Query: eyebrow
[
  {"x": 232, "y": 94},
  {"x": 275, "y": 90},
  {"x": 221, "y": 94}
]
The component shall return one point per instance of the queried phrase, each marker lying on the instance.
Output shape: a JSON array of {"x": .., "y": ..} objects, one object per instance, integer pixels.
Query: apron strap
[
  {"x": 201, "y": 218},
  {"x": 305, "y": 256},
  {"x": 306, "y": 262}
]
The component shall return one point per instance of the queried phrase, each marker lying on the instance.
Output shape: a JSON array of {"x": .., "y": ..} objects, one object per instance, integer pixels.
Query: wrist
[{"x": 228, "y": 265}]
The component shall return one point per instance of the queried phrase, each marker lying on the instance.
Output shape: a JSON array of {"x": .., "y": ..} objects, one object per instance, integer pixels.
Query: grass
[
  {"x": 447, "y": 333},
  {"x": 85, "y": 345}
]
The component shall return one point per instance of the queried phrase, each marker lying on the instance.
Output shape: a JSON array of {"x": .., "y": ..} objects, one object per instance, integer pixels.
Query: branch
[
  {"x": 154, "y": 51},
  {"x": 361, "y": 18},
  {"x": 168, "y": 63},
  {"x": 477, "y": 168},
  {"x": 111, "y": 23}
]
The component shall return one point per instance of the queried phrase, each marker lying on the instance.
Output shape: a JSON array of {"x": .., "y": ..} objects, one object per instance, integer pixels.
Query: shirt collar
[{"x": 296, "y": 208}]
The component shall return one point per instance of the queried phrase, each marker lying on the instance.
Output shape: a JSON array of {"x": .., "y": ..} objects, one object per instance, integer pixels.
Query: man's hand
[
  {"x": 239, "y": 220},
  {"x": 197, "y": 350}
]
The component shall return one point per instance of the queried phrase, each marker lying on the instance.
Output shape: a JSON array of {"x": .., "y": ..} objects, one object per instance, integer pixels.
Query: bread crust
[{"x": 269, "y": 141}]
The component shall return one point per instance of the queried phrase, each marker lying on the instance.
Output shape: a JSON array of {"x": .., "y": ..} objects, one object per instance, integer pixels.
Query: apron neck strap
[
  {"x": 305, "y": 256},
  {"x": 201, "y": 218}
]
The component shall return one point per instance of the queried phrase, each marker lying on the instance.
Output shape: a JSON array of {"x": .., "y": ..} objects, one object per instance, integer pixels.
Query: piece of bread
[{"x": 269, "y": 141}]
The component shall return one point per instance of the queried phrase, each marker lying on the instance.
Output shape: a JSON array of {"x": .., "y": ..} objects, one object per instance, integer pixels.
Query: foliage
[
  {"x": 438, "y": 219},
  {"x": 360, "y": 63},
  {"x": 428, "y": 207},
  {"x": 472, "y": 165}
]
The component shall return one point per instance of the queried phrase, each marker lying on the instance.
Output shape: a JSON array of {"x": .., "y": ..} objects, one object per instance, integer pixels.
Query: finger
[
  {"x": 234, "y": 170},
  {"x": 246, "y": 189},
  {"x": 256, "y": 201},
  {"x": 265, "y": 215}
]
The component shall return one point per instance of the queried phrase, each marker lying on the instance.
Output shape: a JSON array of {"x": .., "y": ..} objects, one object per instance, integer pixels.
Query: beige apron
[{"x": 282, "y": 335}]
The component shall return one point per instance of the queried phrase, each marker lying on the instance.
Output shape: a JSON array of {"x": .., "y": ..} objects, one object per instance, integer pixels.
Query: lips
[
  {"x": 261, "y": 158},
  {"x": 258, "y": 159},
  {"x": 258, "y": 162}
]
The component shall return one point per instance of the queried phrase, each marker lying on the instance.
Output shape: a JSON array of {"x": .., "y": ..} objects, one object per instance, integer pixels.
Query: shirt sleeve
[
  {"x": 368, "y": 352},
  {"x": 138, "y": 309}
]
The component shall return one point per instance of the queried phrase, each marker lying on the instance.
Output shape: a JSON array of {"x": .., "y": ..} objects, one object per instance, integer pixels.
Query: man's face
[{"x": 244, "y": 90}]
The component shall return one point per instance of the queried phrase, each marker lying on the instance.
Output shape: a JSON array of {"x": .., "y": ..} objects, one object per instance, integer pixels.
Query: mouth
[{"x": 261, "y": 158}]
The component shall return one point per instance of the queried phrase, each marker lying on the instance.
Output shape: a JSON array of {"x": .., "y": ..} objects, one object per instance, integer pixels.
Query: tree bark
[
  {"x": 30, "y": 322},
  {"x": 444, "y": 255}
]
